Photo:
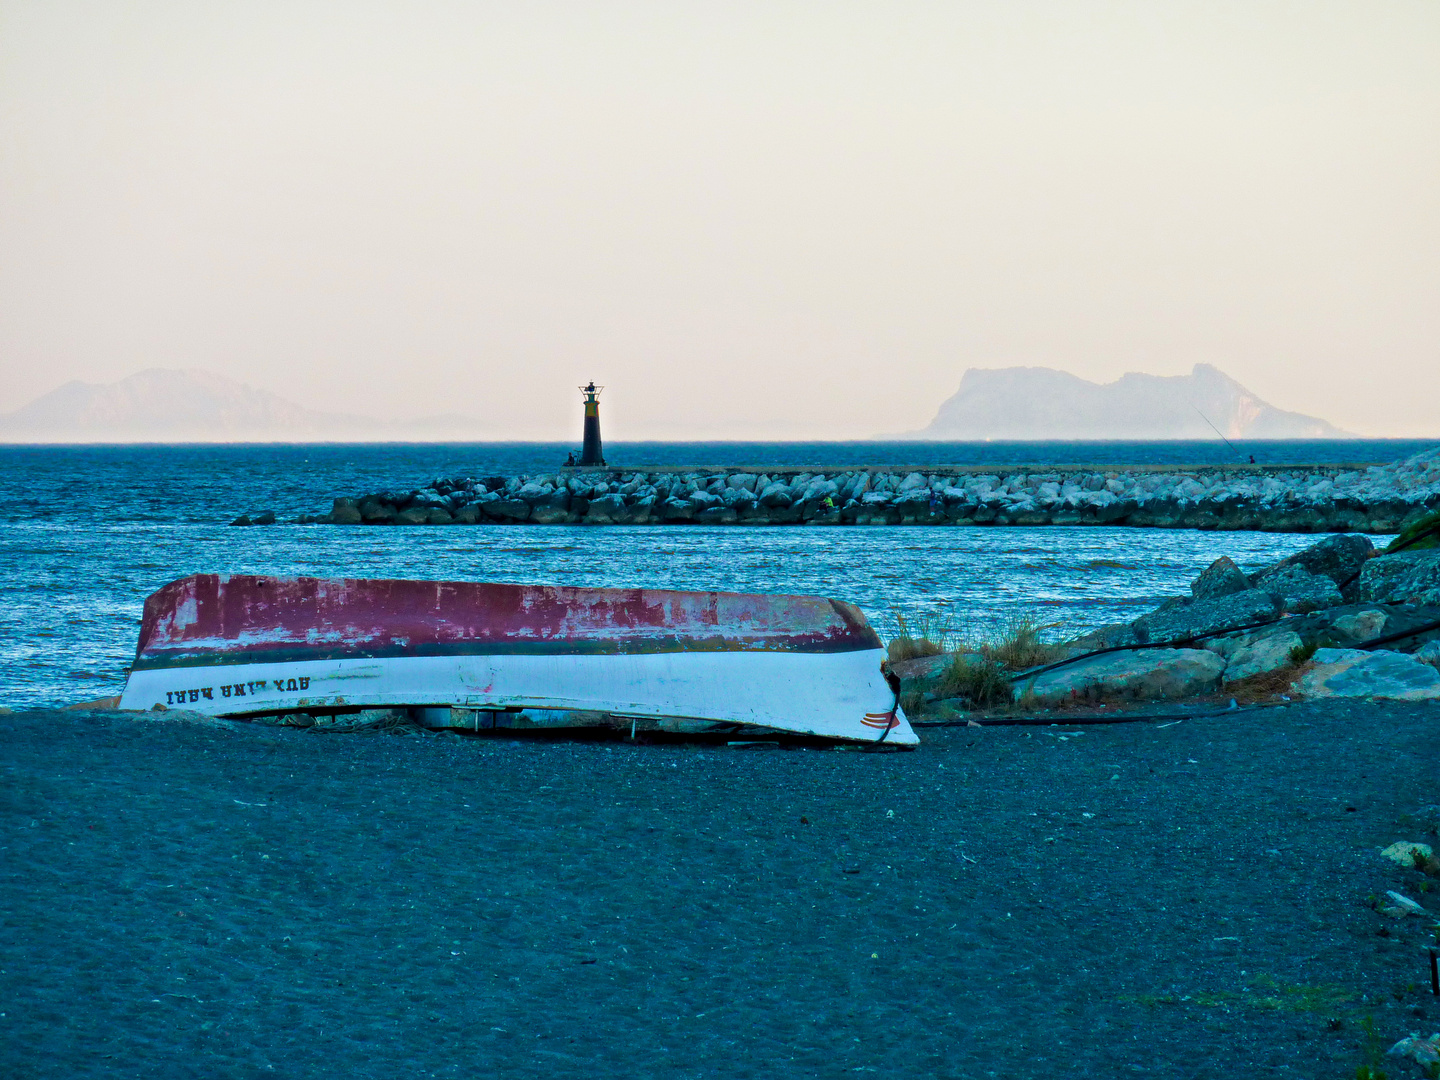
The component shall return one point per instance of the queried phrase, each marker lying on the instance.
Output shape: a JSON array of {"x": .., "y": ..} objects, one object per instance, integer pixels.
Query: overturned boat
[{"x": 241, "y": 645}]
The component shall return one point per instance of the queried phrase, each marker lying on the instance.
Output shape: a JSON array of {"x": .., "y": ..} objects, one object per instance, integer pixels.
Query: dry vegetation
[
  {"x": 1021, "y": 645},
  {"x": 980, "y": 671},
  {"x": 925, "y": 638},
  {"x": 1266, "y": 686},
  {"x": 980, "y": 681}
]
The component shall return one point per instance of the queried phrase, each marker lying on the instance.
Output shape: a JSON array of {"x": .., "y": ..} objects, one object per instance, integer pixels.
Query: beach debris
[
  {"x": 1400, "y": 906},
  {"x": 1354, "y": 673},
  {"x": 1139, "y": 674},
  {"x": 1408, "y": 854},
  {"x": 1424, "y": 1052}
]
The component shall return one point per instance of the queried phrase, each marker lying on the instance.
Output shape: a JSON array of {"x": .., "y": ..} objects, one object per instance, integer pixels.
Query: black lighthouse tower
[{"x": 592, "y": 453}]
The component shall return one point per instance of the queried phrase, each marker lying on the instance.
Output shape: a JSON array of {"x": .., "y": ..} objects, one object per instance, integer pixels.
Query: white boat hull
[
  {"x": 824, "y": 694},
  {"x": 236, "y": 647}
]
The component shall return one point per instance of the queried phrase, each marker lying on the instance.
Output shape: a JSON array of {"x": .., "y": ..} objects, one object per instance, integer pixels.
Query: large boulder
[
  {"x": 551, "y": 508},
  {"x": 345, "y": 512},
  {"x": 674, "y": 509},
  {"x": 1404, "y": 577},
  {"x": 508, "y": 509},
  {"x": 1337, "y": 557},
  {"x": 1268, "y": 653},
  {"x": 641, "y": 510},
  {"x": 775, "y": 496},
  {"x": 1105, "y": 637},
  {"x": 375, "y": 511},
  {"x": 1138, "y": 675},
  {"x": 608, "y": 510},
  {"x": 1303, "y": 591},
  {"x": 1353, "y": 673},
  {"x": 717, "y": 515},
  {"x": 1220, "y": 578},
  {"x": 1183, "y": 621}
]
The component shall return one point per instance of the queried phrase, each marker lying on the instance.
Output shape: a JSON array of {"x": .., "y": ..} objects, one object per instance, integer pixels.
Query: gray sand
[{"x": 1192, "y": 901}]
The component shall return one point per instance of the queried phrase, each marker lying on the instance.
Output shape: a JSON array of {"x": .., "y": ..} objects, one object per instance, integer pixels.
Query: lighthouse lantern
[{"x": 592, "y": 453}]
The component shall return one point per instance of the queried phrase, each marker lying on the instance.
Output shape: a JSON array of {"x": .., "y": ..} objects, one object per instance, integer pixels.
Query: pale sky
[{"x": 747, "y": 220}]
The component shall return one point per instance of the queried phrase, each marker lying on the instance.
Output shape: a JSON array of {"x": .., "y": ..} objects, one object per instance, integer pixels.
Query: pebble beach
[{"x": 1187, "y": 898}]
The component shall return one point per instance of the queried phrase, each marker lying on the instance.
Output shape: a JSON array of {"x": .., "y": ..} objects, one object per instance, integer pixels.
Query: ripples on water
[
  {"x": 73, "y": 594},
  {"x": 87, "y": 533}
]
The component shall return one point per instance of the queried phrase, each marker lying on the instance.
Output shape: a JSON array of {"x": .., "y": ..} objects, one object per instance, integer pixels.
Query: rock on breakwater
[{"x": 1378, "y": 499}]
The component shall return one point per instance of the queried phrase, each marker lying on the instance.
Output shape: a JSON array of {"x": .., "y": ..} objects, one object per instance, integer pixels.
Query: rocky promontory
[
  {"x": 1338, "y": 619},
  {"x": 1375, "y": 499}
]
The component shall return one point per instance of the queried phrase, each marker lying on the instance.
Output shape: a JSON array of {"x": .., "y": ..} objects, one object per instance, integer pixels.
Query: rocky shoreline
[
  {"x": 1338, "y": 619},
  {"x": 1376, "y": 499}
]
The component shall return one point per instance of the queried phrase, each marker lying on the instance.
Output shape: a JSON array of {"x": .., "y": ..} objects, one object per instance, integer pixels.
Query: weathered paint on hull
[{"x": 242, "y": 645}]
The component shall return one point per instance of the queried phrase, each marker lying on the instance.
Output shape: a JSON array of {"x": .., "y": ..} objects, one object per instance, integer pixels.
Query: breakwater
[{"x": 1321, "y": 498}]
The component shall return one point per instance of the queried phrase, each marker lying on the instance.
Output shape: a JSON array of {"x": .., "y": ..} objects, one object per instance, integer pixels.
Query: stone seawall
[{"x": 1377, "y": 499}]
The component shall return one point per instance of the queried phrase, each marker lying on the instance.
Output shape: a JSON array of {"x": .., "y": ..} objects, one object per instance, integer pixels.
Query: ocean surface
[{"x": 87, "y": 532}]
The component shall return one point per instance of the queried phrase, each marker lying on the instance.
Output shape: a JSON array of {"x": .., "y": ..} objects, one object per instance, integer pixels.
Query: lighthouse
[{"x": 592, "y": 453}]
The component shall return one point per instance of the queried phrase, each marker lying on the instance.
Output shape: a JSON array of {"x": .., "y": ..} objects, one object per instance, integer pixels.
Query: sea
[{"x": 87, "y": 532}]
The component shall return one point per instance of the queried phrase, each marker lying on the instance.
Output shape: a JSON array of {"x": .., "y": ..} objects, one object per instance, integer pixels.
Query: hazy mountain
[
  {"x": 161, "y": 405},
  {"x": 1041, "y": 403}
]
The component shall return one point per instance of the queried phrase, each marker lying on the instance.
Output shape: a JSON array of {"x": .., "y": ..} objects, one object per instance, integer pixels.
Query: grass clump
[
  {"x": 1301, "y": 654},
  {"x": 912, "y": 702},
  {"x": 979, "y": 680},
  {"x": 925, "y": 638},
  {"x": 1021, "y": 645}
]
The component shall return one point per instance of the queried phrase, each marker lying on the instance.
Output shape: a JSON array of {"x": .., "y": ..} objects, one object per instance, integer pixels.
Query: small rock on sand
[
  {"x": 1404, "y": 853},
  {"x": 1421, "y": 1051}
]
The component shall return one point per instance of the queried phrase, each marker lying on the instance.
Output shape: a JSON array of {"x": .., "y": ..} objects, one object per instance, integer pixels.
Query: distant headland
[
  {"x": 1027, "y": 404},
  {"x": 183, "y": 406},
  {"x": 1032, "y": 403}
]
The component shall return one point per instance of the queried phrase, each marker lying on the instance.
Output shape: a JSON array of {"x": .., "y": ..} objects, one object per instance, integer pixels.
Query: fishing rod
[{"x": 1215, "y": 429}]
